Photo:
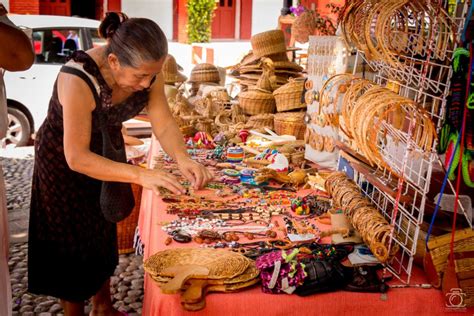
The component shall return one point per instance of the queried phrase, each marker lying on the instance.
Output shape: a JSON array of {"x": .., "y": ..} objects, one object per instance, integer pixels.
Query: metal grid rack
[
  {"x": 427, "y": 81},
  {"x": 406, "y": 226}
]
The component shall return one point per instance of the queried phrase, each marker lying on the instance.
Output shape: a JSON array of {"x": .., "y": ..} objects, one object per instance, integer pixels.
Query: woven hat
[
  {"x": 171, "y": 71},
  {"x": 269, "y": 43},
  {"x": 205, "y": 73}
]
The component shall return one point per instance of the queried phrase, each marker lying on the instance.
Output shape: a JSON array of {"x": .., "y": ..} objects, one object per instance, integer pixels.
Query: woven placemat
[{"x": 222, "y": 264}]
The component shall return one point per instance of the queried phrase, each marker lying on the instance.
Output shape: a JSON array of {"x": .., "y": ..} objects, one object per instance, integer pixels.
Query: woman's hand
[
  {"x": 196, "y": 173},
  {"x": 154, "y": 179}
]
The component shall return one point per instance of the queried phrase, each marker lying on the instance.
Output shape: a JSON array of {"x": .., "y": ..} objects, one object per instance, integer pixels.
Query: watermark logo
[{"x": 455, "y": 299}]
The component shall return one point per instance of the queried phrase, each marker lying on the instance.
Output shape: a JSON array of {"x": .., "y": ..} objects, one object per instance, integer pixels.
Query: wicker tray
[
  {"x": 290, "y": 123},
  {"x": 249, "y": 274},
  {"x": 221, "y": 263},
  {"x": 288, "y": 97}
]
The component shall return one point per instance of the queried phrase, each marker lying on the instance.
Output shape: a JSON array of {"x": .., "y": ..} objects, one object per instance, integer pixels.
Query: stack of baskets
[
  {"x": 259, "y": 102},
  {"x": 290, "y": 119},
  {"x": 266, "y": 79},
  {"x": 270, "y": 44}
]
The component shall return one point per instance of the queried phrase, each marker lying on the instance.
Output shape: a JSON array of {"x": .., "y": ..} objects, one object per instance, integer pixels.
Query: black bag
[
  {"x": 366, "y": 280},
  {"x": 116, "y": 198},
  {"x": 323, "y": 276}
]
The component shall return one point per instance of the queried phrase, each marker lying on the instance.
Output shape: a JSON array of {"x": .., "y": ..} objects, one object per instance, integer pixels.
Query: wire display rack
[{"x": 422, "y": 76}]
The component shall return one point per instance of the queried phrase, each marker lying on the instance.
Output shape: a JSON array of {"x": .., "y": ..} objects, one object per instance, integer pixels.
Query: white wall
[
  {"x": 160, "y": 11},
  {"x": 265, "y": 15},
  {"x": 6, "y": 3}
]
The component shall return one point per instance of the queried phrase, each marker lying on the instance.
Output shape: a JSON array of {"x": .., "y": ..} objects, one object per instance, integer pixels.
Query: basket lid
[
  {"x": 294, "y": 86},
  {"x": 256, "y": 94},
  {"x": 204, "y": 73}
]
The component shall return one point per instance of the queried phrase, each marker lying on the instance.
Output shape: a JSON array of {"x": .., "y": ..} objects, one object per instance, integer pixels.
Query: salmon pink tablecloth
[{"x": 405, "y": 301}]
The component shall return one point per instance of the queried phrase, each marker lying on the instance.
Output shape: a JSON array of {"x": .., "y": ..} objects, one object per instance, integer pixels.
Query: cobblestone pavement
[{"x": 126, "y": 284}]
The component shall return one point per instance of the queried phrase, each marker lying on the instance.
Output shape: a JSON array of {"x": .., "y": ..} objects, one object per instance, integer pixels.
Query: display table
[{"x": 400, "y": 301}]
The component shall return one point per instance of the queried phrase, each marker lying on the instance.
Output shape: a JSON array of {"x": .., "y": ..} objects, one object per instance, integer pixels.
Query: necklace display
[{"x": 232, "y": 209}]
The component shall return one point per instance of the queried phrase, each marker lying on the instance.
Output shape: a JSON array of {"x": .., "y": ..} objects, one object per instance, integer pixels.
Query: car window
[
  {"x": 96, "y": 39},
  {"x": 54, "y": 46}
]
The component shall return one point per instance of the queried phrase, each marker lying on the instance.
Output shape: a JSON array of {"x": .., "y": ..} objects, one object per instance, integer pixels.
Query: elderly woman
[{"x": 72, "y": 246}]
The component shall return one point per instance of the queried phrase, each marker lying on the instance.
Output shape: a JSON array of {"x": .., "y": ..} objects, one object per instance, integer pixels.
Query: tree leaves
[{"x": 200, "y": 14}]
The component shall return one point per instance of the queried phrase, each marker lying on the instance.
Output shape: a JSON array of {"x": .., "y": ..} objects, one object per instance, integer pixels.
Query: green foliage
[{"x": 200, "y": 14}]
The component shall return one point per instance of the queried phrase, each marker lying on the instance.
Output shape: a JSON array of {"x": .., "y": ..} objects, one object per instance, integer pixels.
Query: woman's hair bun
[{"x": 111, "y": 23}]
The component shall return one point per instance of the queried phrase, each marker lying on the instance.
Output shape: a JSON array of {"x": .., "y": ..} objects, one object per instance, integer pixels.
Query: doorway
[{"x": 223, "y": 23}]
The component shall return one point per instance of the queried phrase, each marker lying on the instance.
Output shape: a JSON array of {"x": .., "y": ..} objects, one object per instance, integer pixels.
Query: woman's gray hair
[{"x": 134, "y": 40}]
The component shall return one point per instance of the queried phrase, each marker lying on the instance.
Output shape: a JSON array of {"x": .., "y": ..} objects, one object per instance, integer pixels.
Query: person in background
[
  {"x": 16, "y": 54},
  {"x": 72, "y": 250}
]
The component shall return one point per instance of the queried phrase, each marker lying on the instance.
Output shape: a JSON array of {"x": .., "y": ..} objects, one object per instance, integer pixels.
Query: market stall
[{"x": 252, "y": 301}]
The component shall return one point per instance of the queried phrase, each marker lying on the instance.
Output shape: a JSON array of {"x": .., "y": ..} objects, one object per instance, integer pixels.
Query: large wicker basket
[
  {"x": 260, "y": 120},
  {"x": 288, "y": 97},
  {"x": 257, "y": 101},
  {"x": 291, "y": 123},
  {"x": 126, "y": 228}
]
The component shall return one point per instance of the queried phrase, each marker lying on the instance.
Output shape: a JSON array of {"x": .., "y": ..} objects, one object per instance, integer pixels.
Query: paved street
[{"x": 126, "y": 284}]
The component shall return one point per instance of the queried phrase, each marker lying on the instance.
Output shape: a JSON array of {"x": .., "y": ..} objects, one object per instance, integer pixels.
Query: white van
[{"x": 28, "y": 92}]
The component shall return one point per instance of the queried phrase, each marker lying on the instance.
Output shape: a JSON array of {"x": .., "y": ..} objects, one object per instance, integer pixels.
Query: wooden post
[{"x": 286, "y": 7}]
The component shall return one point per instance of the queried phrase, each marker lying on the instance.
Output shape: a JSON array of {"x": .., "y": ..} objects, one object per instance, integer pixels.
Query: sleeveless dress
[{"x": 72, "y": 248}]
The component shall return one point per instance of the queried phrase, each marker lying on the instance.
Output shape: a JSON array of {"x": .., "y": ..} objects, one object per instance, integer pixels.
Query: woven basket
[
  {"x": 288, "y": 97},
  {"x": 260, "y": 120},
  {"x": 171, "y": 72},
  {"x": 440, "y": 247},
  {"x": 268, "y": 43},
  {"x": 291, "y": 123},
  {"x": 126, "y": 228},
  {"x": 204, "y": 73},
  {"x": 257, "y": 101}
]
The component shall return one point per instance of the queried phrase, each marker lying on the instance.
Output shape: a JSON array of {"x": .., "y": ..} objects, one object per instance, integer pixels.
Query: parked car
[{"x": 28, "y": 92}]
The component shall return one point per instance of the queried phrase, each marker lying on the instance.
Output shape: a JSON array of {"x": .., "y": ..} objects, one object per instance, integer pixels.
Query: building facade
[{"x": 234, "y": 19}]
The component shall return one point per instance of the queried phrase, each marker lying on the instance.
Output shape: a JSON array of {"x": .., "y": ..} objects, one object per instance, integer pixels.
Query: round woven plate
[
  {"x": 222, "y": 264},
  {"x": 247, "y": 277}
]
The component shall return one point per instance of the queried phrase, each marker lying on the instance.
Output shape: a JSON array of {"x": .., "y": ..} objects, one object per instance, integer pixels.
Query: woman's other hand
[
  {"x": 156, "y": 179},
  {"x": 196, "y": 173}
]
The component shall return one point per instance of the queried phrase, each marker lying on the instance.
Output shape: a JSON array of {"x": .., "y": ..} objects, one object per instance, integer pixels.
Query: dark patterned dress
[{"x": 72, "y": 248}]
